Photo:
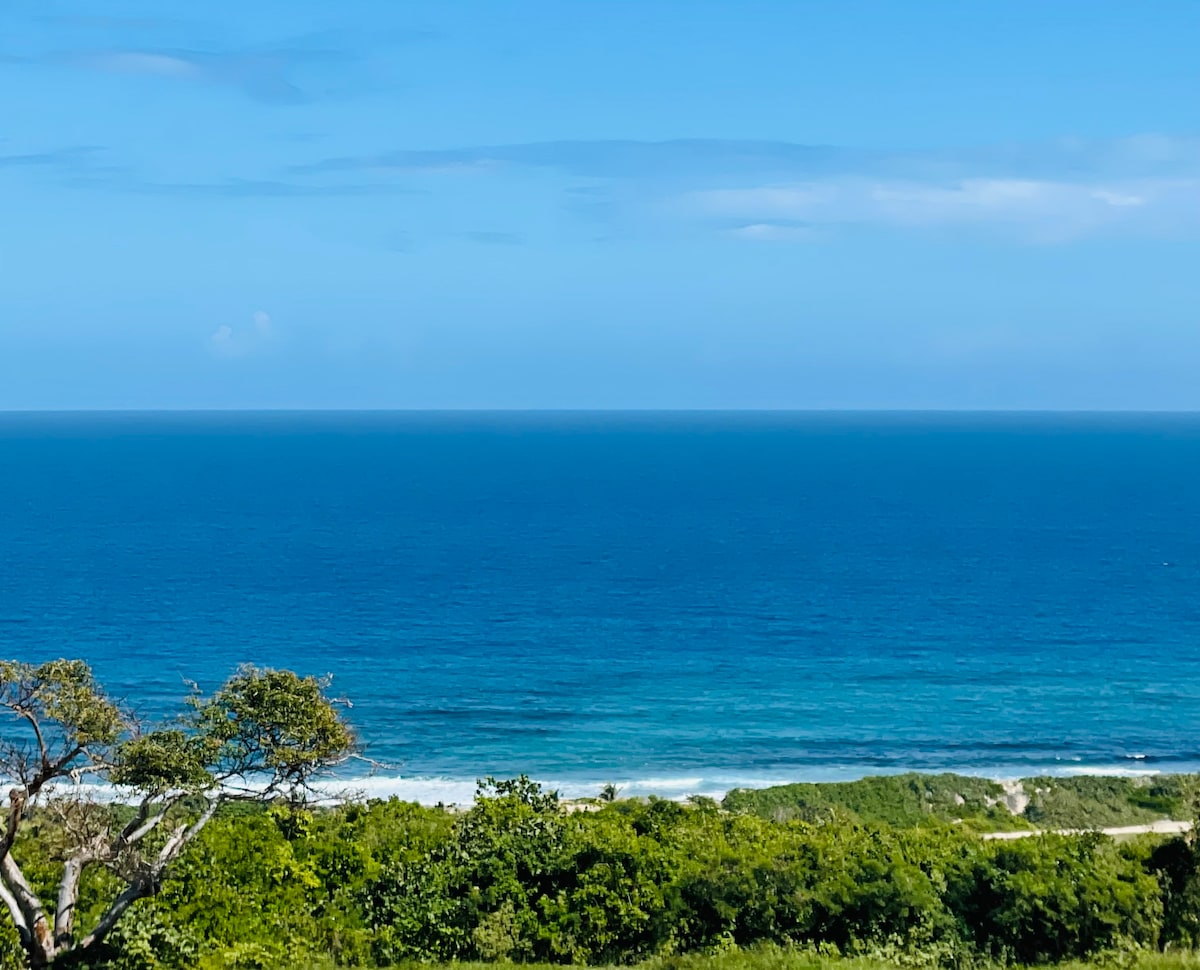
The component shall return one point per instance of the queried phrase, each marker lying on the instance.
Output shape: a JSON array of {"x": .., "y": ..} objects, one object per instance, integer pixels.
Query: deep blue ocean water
[{"x": 675, "y": 602}]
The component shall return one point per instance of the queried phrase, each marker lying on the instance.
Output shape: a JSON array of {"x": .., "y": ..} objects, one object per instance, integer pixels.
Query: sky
[{"x": 619, "y": 204}]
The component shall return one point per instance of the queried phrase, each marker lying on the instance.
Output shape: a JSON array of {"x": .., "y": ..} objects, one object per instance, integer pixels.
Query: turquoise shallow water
[{"x": 677, "y": 603}]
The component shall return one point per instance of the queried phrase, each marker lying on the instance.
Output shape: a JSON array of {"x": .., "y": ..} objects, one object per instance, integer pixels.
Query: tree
[{"x": 264, "y": 735}]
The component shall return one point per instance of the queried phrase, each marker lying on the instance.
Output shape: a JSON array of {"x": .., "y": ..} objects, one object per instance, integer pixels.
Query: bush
[
  {"x": 1054, "y": 898},
  {"x": 518, "y": 878},
  {"x": 898, "y": 800}
]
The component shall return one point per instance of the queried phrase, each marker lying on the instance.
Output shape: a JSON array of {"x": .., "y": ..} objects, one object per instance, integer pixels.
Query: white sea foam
[
  {"x": 441, "y": 790},
  {"x": 715, "y": 784}
]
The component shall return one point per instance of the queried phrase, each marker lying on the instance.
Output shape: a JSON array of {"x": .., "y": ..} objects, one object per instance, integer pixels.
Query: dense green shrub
[
  {"x": 1087, "y": 802},
  {"x": 518, "y": 877},
  {"x": 912, "y": 800},
  {"x": 1054, "y": 898},
  {"x": 903, "y": 800},
  {"x": 1176, "y": 864}
]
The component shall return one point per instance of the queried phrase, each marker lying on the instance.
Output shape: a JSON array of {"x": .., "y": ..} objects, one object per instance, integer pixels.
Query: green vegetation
[
  {"x": 977, "y": 803},
  {"x": 261, "y": 737},
  {"x": 901, "y": 800},
  {"x": 777, "y": 958},
  {"x": 517, "y": 878},
  {"x": 207, "y": 870},
  {"x": 1086, "y": 802}
]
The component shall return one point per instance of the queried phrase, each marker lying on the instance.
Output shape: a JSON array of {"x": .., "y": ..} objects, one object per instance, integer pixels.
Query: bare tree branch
[
  {"x": 43, "y": 751},
  {"x": 264, "y": 734},
  {"x": 146, "y": 882},
  {"x": 143, "y": 823},
  {"x": 40, "y": 940},
  {"x": 138, "y": 889},
  {"x": 17, "y": 799},
  {"x": 14, "y": 910},
  {"x": 136, "y": 836},
  {"x": 68, "y": 897}
]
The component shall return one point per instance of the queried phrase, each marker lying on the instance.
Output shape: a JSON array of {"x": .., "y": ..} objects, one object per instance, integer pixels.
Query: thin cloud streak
[
  {"x": 73, "y": 157},
  {"x": 230, "y": 342},
  {"x": 761, "y": 190},
  {"x": 606, "y": 159},
  {"x": 102, "y": 22},
  {"x": 772, "y": 232},
  {"x": 263, "y": 76},
  {"x": 1042, "y": 210},
  {"x": 246, "y": 188},
  {"x": 686, "y": 159}
]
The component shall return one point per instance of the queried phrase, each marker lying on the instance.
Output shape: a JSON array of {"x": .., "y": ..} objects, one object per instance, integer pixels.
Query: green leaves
[
  {"x": 162, "y": 761},
  {"x": 519, "y": 878},
  {"x": 1054, "y": 898},
  {"x": 62, "y": 696},
  {"x": 263, "y": 735},
  {"x": 273, "y": 727},
  {"x": 272, "y": 723},
  {"x": 902, "y": 800},
  {"x": 522, "y": 877}
]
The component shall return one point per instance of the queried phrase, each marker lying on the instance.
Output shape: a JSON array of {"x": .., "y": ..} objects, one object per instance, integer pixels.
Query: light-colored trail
[{"x": 1162, "y": 827}]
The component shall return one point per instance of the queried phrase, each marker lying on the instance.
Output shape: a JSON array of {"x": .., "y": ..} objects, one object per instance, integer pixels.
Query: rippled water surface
[{"x": 675, "y": 602}]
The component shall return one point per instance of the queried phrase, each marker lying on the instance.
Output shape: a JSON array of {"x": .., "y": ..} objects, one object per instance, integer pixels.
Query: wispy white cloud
[
  {"x": 264, "y": 75},
  {"x": 623, "y": 159},
  {"x": 777, "y": 191},
  {"x": 1040, "y": 210},
  {"x": 715, "y": 159},
  {"x": 125, "y": 181},
  {"x": 772, "y": 232},
  {"x": 226, "y": 341},
  {"x": 142, "y": 62},
  {"x": 1116, "y": 198},
  {"x": 110, "y": 23}
]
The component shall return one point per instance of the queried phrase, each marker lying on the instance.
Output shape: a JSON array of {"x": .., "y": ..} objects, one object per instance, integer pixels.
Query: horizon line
[{"x": 595, "y": 410}]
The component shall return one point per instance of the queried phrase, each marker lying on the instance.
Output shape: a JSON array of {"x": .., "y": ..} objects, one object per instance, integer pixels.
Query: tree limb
[
  {"x": 17, "y": 798},
  {"x": 14, "y": 910},
  {"x": 183, "y": 835},
  {"x": 138, "y": 889},
  {"x": 40, "y": 939},
  {"x": 20, "y": 797},
  {"x": 143, "y": 823},
  {"x": 68, "y": 896},
  {"x": 146, "y": 883},
  {"x": 43, "y": 751}
]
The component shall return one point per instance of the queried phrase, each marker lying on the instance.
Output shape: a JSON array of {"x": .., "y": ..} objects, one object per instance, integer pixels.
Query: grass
[
  {"x": 902, "y": 800},
  {"x": 909, "y": 800},
  {"x": 1087, "y": 802}
]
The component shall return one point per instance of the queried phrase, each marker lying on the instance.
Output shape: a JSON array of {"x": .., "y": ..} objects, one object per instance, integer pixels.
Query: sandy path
[{"x": 1163, "y": 827}]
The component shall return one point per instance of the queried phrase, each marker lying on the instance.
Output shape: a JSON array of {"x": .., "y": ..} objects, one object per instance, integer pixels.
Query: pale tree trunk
[
  {"x": 68, "y": 897},
  {"x": 138, "y": 889},
  {"x": 28, "y": 913},
  {"x": 14, "y": 910},
  {"x": 147, "y": 883},
  {"x": 43, "y": 943}
]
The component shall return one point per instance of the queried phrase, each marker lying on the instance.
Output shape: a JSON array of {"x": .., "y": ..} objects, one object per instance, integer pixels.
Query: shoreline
[
  {"x": 431, "y": 790},
  {"x": 1117, "y": 806}
]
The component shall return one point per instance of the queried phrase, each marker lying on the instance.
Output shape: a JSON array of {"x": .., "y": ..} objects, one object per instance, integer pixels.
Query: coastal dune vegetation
[
  {"x": 982, "y": 804},
  {"x": 885, "y": 872}
]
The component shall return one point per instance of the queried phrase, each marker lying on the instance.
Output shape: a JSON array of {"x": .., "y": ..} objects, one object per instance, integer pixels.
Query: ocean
[{"x": 676, "y": 603}]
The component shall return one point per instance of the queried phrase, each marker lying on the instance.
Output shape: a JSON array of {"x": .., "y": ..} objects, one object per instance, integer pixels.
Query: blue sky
[{"x": 600, "y": 205}]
